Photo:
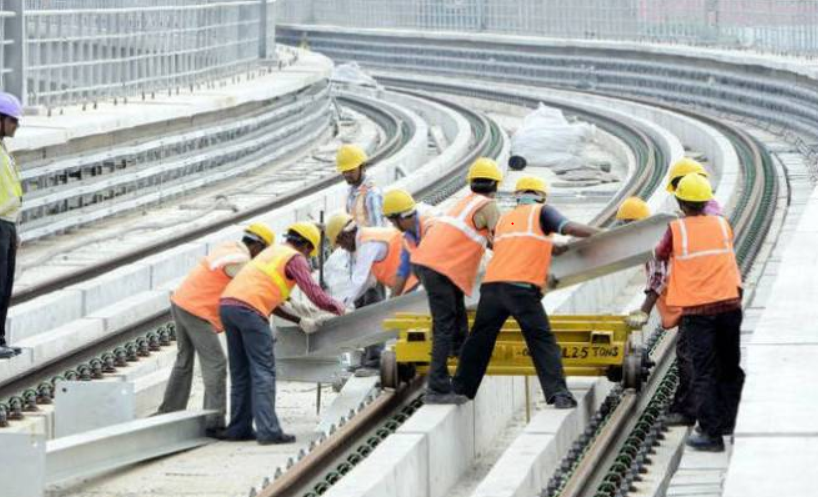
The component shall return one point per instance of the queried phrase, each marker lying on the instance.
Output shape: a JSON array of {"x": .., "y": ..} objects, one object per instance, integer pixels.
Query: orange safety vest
[
  {"x": 703, "y": 268},
  {"x": 385, "y": 270},
  {"x": 423, "y": 225},
  {"x": 199, "y": 293},
  {"x": 522, "y": 251},
  {"x": 358, "y": 208},
  {"x": 454, "y": 246},
  {"x": 263, "y": 284}
]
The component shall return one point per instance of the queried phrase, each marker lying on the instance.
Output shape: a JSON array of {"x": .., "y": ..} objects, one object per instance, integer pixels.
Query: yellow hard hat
[
  {"x": 682, "y": 168},
  {"x": 336, "y": 225},
  {"x": 261, "y": 232},
  {"x": 694, "y": 188},
  {"x": 349, "y": 157},
  {"x": 530, "y": 183},
  {"x": 485, "y": 168},
  {"x": 633, "y": 209},
  {"x": 310, "y": 232},
  {"x": 397, "y": 202}
]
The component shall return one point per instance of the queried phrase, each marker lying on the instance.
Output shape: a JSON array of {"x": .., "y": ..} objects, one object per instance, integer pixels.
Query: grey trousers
[{"x": 196, "y": 336}]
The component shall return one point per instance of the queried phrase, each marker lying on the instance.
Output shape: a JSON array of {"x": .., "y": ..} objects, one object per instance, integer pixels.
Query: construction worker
[
  {"x": 377, "y": 253},
  {"x": 513, "y": 287},
  {"x": 364, "y": 200},
  {"x": 400, "y": 209},
  {"x": 195, "y": 310},
  {"x": 245, "y": 308},
  {"x": 682, "y": 168},
  {"x": 11, "y": 201},
  {"x": 705, "y": 282},
  {"x": 365, "y": 204},
  {"x": 682, "y": 411},
  {"x": 447, "y": 261}
]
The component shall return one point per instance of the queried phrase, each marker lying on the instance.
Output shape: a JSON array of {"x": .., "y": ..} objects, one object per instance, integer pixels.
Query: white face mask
[{"x": 530, "y": 198}]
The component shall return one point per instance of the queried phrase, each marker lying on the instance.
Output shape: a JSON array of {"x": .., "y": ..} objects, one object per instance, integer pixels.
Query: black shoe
[
  {"x": 563, "y": 400},
  {"x": 217, "y": 433},
  {"x": 245, "y": 437},
  {"x": 678, "y": 419},
  {"x": 434, "y": 398},
  {"x": 283, "y": 438},
  {"x": 8, "y": 352},
  {"x": 727, "y": 432},
  {"x": 705, "y": 443}
]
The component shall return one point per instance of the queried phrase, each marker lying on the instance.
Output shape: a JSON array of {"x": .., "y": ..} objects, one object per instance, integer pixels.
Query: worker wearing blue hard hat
[{"x": 11, "y": 200}]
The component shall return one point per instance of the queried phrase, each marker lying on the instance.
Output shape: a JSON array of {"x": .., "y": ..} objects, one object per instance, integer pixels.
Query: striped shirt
[{"x": 373, "y": 202}]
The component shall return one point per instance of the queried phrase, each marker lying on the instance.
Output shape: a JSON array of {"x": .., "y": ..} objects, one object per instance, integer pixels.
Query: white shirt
[{"x": 362, "y": 278}]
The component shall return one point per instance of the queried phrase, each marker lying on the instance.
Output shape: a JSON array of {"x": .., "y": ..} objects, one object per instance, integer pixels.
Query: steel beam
[{"x": 116, "y": 446}]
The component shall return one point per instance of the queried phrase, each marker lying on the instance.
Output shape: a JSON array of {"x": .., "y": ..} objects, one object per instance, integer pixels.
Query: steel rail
[
  {"x": 395, "y": 139},
  {"x": 751, "y": 218}
]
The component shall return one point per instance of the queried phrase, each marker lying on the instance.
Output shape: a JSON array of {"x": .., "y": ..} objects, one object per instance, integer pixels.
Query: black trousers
[
  {"x": 683, "y": 401},
  {"x": 372, "y": 354},
  {"x": 714, "y": 345},
  {"x": 498, "y": 301},
  {"x": 8, "y": 260},
  {"x": 450, "y": 324}
]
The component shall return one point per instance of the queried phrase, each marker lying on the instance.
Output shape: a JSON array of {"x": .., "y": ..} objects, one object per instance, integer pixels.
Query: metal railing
[
  {"x": 61, "y": 52},
  {"x": 784, "y": 27}
]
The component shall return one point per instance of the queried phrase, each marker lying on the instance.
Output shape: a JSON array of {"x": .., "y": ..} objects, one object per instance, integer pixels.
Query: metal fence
[
  {"x": 60, "y": 52},
  {"x": 785, "y": 27}
]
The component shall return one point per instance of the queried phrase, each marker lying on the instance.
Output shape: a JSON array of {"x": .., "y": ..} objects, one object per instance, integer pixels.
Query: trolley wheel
[
  {"x": 389, "y": 369},
  {"x": 407, "y": 372},
  {"x": 632, "y": 370}
]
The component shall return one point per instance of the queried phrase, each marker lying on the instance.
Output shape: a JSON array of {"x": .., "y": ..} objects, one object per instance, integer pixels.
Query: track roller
[{"x": 389, "y": 369}]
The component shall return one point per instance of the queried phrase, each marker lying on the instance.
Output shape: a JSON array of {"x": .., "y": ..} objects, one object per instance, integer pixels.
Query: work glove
[
  {"x": 637, "y": 319},
  {"x": 309, "y": 325}
]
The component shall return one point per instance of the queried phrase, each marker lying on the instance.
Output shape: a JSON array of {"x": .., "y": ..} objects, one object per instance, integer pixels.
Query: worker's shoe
[
  {"x": 725, "y": 431},
  {"x": 281, "y": 439},
  {"x": 244, "y": 437},
  {"x": 705, "y": 443},
  {"x": 679, "y": 419},
  {"x": 563, "y": 400},
  {"x": 8, "y": 352},
  {"x": 445, "y": 398},
  {"x": 217, "y": 433}
]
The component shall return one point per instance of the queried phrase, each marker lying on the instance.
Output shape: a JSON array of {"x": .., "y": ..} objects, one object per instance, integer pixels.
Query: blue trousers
[{"x": 252, "y": 374}]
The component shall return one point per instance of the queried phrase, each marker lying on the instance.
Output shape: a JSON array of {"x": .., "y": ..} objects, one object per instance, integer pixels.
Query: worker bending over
[
  {"x": 513, "y": 286},
  {"x": 245, "y": 308},
  {"x": 376, "y": 253},
  {"x": 705, "y": 281},
  {"x": 400, "y": 209},
  {"x": 448, "y": 259},
  {"x": 195, "y": 310},
  {"x": 11, "y": 202}
]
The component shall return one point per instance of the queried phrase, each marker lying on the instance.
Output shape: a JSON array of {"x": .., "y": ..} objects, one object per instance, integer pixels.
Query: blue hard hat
[{"x": 10, "y": 105}]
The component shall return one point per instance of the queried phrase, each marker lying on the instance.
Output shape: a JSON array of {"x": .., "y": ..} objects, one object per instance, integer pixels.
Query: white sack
[{"x": 547, "y": 139}]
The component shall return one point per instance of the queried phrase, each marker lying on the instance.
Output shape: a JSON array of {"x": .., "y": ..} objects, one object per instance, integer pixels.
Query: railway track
[
  {"x": 310, "y": 476},
  {"x": 609, "y": 457},
  {"x": 23, "y": 393}
]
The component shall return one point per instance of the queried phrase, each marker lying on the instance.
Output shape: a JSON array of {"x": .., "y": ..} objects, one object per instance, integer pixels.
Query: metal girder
[
  {"x": 120, "y": 445},
  {"x": 602, "y": 254},
  {"x": 608, "y": 252},
  {"x": 309, "y": 370}
]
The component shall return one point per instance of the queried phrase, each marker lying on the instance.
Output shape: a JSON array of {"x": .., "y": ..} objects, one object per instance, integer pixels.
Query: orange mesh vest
[
  {"x": 199, "y": 293},
  {"x": 522, "y": 251},
  {"x": 671, "y": 315},
  {"x": 424, "y": 224},
  {"x": 453, "y": 246},
  {"x": 385, "y": 270},
  {"x": 703, "y": 267},
  {"x": 262, "y": 283}
]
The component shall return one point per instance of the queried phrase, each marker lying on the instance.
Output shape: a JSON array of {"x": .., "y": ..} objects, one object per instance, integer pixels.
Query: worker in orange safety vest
[
  {"x": 513, "y": 287},
  {"x": 195, "y": 310},
  {"x": 245, "y": 307},
  {"x": 447, "y": 262},
  {"x": 401, "y": 210},
  {"x": 705, "y": 282}
]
